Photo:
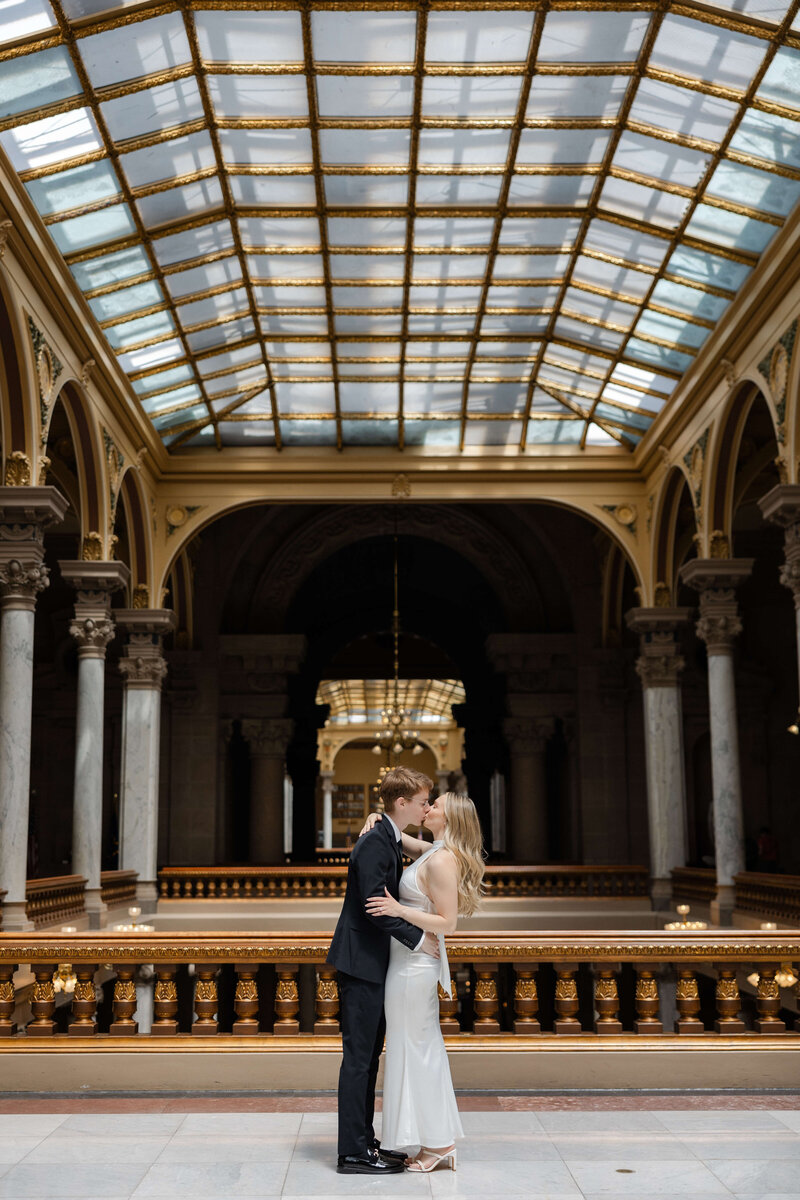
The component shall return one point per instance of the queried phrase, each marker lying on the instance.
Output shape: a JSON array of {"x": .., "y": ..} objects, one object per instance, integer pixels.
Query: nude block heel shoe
[{"x": 449, "y": 1155}]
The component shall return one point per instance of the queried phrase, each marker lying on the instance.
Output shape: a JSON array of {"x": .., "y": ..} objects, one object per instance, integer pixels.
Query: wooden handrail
[
  {"x": 118, "y": 887},
  {"x": 54, "y": 898},
  {"x": 773, "y": 896}
]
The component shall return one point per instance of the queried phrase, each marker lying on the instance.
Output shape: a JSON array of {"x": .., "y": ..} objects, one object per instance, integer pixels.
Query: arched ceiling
[{"x": 436, "y": 224}]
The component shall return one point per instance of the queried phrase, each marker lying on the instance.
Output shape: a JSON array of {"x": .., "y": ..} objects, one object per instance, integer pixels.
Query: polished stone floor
[{"x": 596, "y": 1149}]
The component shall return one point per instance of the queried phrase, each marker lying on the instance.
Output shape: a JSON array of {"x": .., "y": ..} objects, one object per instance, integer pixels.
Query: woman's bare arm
[{"x": 440, "y": 885}]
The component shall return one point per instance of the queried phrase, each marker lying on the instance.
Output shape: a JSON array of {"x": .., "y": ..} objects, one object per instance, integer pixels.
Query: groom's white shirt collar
[{"x": 398, "y": 835}]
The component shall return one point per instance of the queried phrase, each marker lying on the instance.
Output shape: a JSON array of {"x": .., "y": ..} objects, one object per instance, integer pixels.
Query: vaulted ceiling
[{"x": 449, "y": 225}]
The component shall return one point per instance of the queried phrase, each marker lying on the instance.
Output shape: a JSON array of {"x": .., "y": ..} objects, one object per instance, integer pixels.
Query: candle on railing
[{"x": 683, "y": 911}]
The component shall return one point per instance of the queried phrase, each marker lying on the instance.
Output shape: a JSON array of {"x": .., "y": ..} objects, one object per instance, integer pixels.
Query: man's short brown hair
[{"x": 402, "y": 781}]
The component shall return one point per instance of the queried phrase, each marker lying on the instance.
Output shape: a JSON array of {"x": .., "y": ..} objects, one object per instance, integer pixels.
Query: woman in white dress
[{"x": 443, "y": 881}]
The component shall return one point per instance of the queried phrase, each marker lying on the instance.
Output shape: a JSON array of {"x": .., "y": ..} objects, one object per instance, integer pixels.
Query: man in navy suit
[{"x": 360, "y": 953}]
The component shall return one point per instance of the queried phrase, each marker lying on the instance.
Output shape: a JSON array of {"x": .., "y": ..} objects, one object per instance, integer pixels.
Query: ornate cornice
[
  {"x": 660, "y": 662},
  {"x": 717, "y": 579}
]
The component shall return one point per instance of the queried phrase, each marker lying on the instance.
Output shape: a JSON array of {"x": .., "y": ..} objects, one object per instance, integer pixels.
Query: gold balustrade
[
  {"x": 527, "y": 989},
  {"x": 295, "y": 882},
  {"x": 698, "y": 885},
  {"x": 54, "y": 899},
  {"x": 118, "y": 887},
  {"x": 773, "y": 896}
]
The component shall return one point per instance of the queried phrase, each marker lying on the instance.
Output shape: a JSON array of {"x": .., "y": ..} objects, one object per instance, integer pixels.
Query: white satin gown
[{"x": 419, "y": 1104}]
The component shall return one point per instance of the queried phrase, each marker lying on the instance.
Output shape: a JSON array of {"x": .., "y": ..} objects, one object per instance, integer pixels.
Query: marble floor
[{"x": 598, "y": 1151}]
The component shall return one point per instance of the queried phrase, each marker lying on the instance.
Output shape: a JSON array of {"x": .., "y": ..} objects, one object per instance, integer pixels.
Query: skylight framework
[
  {"x": 361, "y": 701},
  {"x": 440, "y": 225}
]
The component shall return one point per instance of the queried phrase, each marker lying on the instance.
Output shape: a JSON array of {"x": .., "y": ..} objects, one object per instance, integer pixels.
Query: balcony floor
[{"x": 745, "y": 1146}]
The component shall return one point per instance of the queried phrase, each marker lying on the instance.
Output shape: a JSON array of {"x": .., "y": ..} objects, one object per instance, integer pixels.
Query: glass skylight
[{"x": 407, "y": 225}]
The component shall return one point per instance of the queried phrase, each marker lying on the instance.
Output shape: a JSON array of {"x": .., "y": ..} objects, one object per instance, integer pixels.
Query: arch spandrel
[
  {"x": 719, "y": 500},
  {"x": 18, "y": 390},
  {"x": 92, "y": 475},
  {"x": 140, "y": 533},
  {"x": 664, "y": 531}
]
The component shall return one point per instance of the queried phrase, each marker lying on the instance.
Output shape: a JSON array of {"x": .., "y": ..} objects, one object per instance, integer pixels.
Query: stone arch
[
  {"x": 669, "y": 552},
  {"x": 89, "y": 470},
  {"x": 17, "y": 392},
  {"x": 178, "y": 595},
  {"x": 140, "y": 540},
  {"x": 720, "y": 505}
]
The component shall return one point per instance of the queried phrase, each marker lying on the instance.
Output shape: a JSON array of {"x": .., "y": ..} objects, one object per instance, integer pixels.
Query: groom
[{"x": 360, "y": 953}]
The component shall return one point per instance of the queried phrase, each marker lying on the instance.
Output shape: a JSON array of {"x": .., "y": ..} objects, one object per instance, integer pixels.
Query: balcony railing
[
  {"x": 774, "y": 896},
  {"x": 282, "y": 883},
  {"x": 698, "y": 885},
  {"x": 118, "y": 887},
  {"x": 279, "y": 989},
  {"x": 54, "y": 899}
]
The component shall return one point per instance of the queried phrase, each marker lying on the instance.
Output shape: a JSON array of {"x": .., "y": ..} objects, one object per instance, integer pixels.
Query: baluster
[
  {"x": 43, "y": 1003},
  {"x": 728, "y": 1002},
  {"x": 448, "y": 1005},
  {"x": 526, "y": 999},
  {"x": 165, "y": 1001},
  {"x": 566, "y": 1002},
  {"x": 486, "y": 1003},
  {"x": 124, "y": 1005},
  {"x": 7, "y": 1026},
  {"x": 606, "y": 1001},
  {"x": 687, "y": 1000},
  {"x": 327, "y": 1002},
  {"x": 768, "y": 1002},
  {"x": 84, "y": 1002},
  {"x": 245, "y": 1003},
  {"x": 287, "y": 1002},
  {"x": 205, "y": 1000},
  {"x": 646, "y": 1001}
]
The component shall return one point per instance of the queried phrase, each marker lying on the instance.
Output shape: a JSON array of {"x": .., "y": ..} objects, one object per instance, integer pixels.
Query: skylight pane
[
  {"x": 291, "y": 297},
  {"x": 682, "y": 111},
  {"x": 444, "y": 267},
  {"x": 93, "y": 229},
  {"x": 156, "y": 108},
  {"x": 521, "y": 297},
  {"x": 432, "y": 397},
  {"x": 643, "y": 203},
  {"x": 551, "y": 190},
  {"x": 548, "y": 146},
  {"x": 370, "y": 397},
  {"x": 168, "y": 160},
  {"x": 280, "y": 233},
  {"x": 626, "y": 373},
  {"x": 707, "y": 52},
  {"x": 441, "y": 434},
  {"x": 299, "y": 323},
  {"x": 258, "y": 95},
  {"x": 593, "y": 36},
  {"x": 611, "y": 276},
  {"x": 453, "y": 231},
  {"x": 142, "y": 329},
  {"x": 34, "y": 80},
  {"x": 665, "y": 161},
  {"x": 249, "y": 37},
  {"x": 200, "y": 279},
  {"x": 369, "y": 191},
  {"x": 462, "y": 147},
  {"x": 569, "y": 327},
  {"x": 545, "y": 431},
  {"x": 707, "y": 268},
  {"x": 247, "y": 433},
  {"x": 472, "y": 97},
  {"x": 22, "y": 18},
  {"x": 151, "y": 356},
  {"x": 366, "y": 231},
  {"x": 493, "y": 433},
  {"x": 781, "y": 82},
  {"x": 486, "y": 398},
  {"x": 369, "y": 433},
  {"x": 193, "y": 243},
  {"x": 375, "y": 147},
  {"x": 478, "y": 37},
  {"x": 671, "y": 329},
  {"x": 220, "y": 335},
  {"x": 175, "y": 203},
  {"x": 729, "y": 229},
  {"x": 111, "y": 268},
  {"x": 260, "y": 147},
  {"x": 164, "y": 379},
  {"x": 767, "y": 136},
  {"x": 75, "y": 188},
  {"x": 362, "y": 37},
  {"x": 625, "y": 243},
  {"x": 529, "y": 266},
  {"x": 213, "y": 307},
  {"x": 51, "y": 140},
  {"x": 660, "y": 356},
  {"x": 299, "y": 398},
  {"x": 365, "y": 297},
  {"x": 539, "y": 231},
  {"x": 366, "y": 266},
  {"x": 282, "y": 191},
  {"x": 360, "y": 95},
  {"x": 599, "y": 308},
  {"x": 576, "y": 95},
  {"x": 126, "y": 300},
  {"x": 757, "y": 189},
  {"x": 441, "y": 190},
  {"x": 689, "y": 300},
  {"x": 115, "y": 56}
]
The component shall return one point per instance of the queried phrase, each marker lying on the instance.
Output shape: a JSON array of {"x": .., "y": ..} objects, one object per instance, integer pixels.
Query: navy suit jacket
[{"x": 360, "y": 943}]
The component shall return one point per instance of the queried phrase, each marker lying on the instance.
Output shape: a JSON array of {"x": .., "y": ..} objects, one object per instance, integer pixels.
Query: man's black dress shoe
[
  {"x": 391, "y": 1156},
  {"x": 366, "y": 1164}
]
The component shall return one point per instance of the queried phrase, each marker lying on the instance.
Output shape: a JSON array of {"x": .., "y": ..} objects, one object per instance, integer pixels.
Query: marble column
[
  {"x": 143, "y": 669},
  {"x": 327, "y": 809},
  {"x": 782, "y": 507},
  {"x": 716, "y": 579},
  {"x": 92, "y": 629},
  {"x": 659, "y": 666},
  {"x": 268, "y": 738},
  {"x": 25, "y": 513},
  {"x": 527, "y": 814}
]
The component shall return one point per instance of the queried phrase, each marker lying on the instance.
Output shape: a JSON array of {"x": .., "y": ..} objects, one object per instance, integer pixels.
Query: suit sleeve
[{"x": 375, "y": 864}]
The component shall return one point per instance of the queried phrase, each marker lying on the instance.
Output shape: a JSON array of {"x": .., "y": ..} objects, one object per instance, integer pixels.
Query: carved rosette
[{"x": 92, "y": 635}]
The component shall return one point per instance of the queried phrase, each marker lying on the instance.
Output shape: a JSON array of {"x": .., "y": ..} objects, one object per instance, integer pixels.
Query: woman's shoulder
[{"x": 443, "y": 862}]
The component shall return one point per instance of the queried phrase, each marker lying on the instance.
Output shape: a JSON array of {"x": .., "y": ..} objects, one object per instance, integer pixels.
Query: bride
[{"x": 443, "y": 881}]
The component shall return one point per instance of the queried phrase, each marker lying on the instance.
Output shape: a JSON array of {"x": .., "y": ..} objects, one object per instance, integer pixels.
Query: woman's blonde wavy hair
[{"x": 463, "y": 838}]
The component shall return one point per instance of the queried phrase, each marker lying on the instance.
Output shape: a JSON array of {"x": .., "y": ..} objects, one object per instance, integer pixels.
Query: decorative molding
[
  {"x": 728, "y": 371},
  {"x": 660, "y": 662},
  {"x": 20, "y": 583},
  {"x": 48, "y": 369},
  {"x": 775, "y": 367},
  {"x": 92, "y": 635},
  {"x": 115, "y": 462},
  {"x": 719, "y": 545},
  {"x": 5, "y": 230},
  {"x": 401, "y": 487},
  {"x": 18, "y": 470},
  {"x": 143, "y": 673},
  {"x": 176, "y": 515},
  {"x": 141, "y": 596},
  {"x": 92, "y": 548},
  {"x": 694, "y": 462},
  {"x": 86, "y": 371},
  {"x": 625, "y": 514}
]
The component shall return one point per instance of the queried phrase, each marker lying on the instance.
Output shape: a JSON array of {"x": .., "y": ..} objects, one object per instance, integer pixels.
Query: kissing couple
[{"x": 388, "y": 950}]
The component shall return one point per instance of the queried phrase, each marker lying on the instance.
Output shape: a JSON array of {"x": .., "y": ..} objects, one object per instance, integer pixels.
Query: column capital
[
  {"x": 94, "y": 583},
  {"x": 528, "y": 735},
  {"x": 92, "y": 635},
  {"x": 781, "y": 506},
  {"x": 268, "y": 737},
  {"x": 25, "y": 513},
  {"x": 143, "y": 664},
  {"x": 660, "y": 663},
  {"x": 716, "y": 579}
]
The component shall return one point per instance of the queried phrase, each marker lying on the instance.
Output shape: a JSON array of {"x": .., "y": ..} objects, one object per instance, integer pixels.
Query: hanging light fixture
[
  {"x": 795, "y": 725},
  {"x": 396, "y": 735}
]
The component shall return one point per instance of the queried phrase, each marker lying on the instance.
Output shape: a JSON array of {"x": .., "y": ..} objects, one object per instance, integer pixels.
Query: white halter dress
[{"x": 419, "y": 1104}]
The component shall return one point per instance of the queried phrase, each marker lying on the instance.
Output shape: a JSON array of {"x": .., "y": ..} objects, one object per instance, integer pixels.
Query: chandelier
[{"x": 396, "y": 736}]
